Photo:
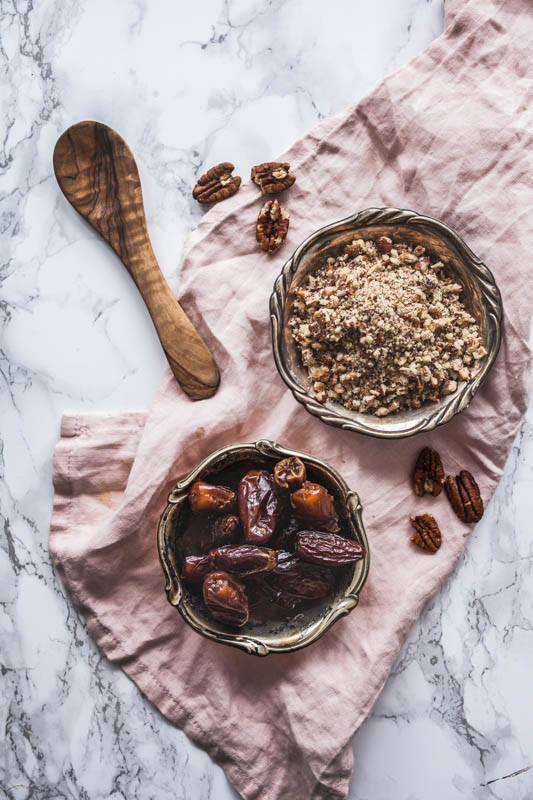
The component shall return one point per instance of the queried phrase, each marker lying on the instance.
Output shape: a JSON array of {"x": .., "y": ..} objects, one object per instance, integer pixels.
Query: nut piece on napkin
[
  {"x": 217, "y": 184},
  {"x": 272, "y": 226},
  {"x": 428, "y": 475},
  {"x": 272, "y": 176},
  {"x": 427, "y": 533},
  {"x": 463, "y": 494}
]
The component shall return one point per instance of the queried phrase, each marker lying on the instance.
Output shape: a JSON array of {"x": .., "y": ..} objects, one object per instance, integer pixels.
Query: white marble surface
[{"x": 189, "y": 85}]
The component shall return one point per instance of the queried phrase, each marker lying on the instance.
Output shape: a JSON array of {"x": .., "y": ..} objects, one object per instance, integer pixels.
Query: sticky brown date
[
  {"x": 195, "y": 568},
  {"x": 266, "y": 590},
  {"x": 289, "y": 474},
  {"x": 226, "y": 599},
  {"x": 300, "y": 579},
  {"x": 283, "y": 539},
  {"x": 315, "y": 506},
  {"x": 243, "y": 559},
  {"x": 204, "y": 498},
  {"x": 259, "y": 506},
  {"x": 327, "y": 549},
  {"x": 221, "y": 530}
]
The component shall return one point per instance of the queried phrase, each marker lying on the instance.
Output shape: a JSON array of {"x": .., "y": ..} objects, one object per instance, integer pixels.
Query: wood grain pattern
[{"x": 97, "y": 173}]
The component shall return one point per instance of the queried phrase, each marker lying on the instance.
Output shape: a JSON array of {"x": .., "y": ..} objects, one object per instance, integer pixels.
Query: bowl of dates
[{"x": 263, "y": 548}]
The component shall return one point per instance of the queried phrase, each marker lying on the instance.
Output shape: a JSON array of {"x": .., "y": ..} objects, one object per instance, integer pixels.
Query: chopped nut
[
  {"x": 217, "y": 184},
  {"x": 392, "y": 321},
  {"x": 384, "y": 244}
]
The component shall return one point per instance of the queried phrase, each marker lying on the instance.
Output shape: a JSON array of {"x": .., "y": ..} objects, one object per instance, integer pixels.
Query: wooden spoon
[{"x": 97, "y": 173}]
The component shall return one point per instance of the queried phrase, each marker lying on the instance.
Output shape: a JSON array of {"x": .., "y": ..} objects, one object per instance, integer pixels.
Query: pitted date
[
  {"x": 205, "y": 498},
  {"x": 195, "y": 568},
  {"x": 243, "y": 559},
  {"x": 259, "y": 506},
  {"x": 327, "y": 549},
  {"x": 226, "y": 599},
  {"x": 278, "y": 596},
  {"x": 283, "y": 539},
  {"x": 302, "y": 580},
  {"x": 314, "y": 506},
  {"x": 289, "y": 475},
  {"x": 221, "y": 530}
]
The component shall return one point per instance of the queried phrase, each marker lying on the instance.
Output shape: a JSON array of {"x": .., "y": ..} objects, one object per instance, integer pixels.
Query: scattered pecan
[
  {"x": 427, "y": 534},
  {"x": 272, "y": 177},
  {"x": 217, "y": 184},
  {"x": 428, "y": 475},
  {"x": 463, "y": 494},
  {"x": 272, "y": 226}
]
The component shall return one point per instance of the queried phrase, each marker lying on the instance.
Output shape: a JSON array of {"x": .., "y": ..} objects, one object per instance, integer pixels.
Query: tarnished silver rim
[
  {"x": 481, "y": 274},
  {"x": 341, "y": 606}
]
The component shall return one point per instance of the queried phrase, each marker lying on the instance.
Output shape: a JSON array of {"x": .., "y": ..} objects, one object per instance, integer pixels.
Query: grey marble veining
[{"x": 188, "y": 86}]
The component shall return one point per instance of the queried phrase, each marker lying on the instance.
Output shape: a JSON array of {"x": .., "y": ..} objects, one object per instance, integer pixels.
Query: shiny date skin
[
  {"x": 226, "y": 599},
  {"x": 259, "y": 506},
  {"x": 243, "y": 559},
  {"x": 195, "y": 568},
  {"x": 327, "y": 549},
  {"x": 205, "y": 498},
  {"x": 283, "y": 539},
  {"x": 266, "y": 590},
  {"x": 221, "y": 530},
  {"x": 315, "y": 506},
  {"x": 300, "y": 579},
  {"x": 289, "y": 475}
]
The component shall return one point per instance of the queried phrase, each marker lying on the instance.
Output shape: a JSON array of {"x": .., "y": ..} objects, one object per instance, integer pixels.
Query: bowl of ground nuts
[
  {"x": 385, "y": 323},
  {"x": 263, "y": 548}
]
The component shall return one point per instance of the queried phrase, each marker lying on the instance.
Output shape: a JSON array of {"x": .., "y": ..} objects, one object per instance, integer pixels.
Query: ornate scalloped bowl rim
[
  {"x": 341, "y": 606},
  {"x": 481, "y": 274}
]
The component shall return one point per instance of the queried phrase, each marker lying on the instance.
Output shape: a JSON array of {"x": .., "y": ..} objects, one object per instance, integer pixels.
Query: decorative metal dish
[
  {"x": 291, "y": 629},
  {"x": 480, "y": 294}
]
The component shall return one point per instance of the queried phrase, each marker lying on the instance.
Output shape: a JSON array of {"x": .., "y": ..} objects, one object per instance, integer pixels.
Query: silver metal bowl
[
  {"x": 289, "y": 630},
  {"x": 481, "y": 296}
]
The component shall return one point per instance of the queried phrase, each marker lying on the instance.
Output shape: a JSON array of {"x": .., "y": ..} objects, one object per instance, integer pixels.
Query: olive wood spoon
[{"x": 97, "y": 173}]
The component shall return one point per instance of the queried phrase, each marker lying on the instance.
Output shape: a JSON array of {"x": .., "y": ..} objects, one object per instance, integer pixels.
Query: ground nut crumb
[{"x": 382, "y": 328}]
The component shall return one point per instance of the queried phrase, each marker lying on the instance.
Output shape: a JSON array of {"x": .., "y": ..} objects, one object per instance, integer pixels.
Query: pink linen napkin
[{"x": 448, "y": 135}]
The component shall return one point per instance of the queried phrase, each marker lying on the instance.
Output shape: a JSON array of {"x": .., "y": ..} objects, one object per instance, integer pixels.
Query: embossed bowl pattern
[
  {"x": 291, "y": 630},
  {"x": 481, "y": 296}
]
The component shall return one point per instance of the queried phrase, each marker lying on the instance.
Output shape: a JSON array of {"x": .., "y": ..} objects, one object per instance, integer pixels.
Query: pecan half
[
  {"x": 428, "y": 474},
  {"x": 272, "y": 226},
  {"x": 272, "y": 176},
  {"x": 217, "y": 184},
  {"x": 427, "y": 534},
  {"x": 463, "y": 494}
]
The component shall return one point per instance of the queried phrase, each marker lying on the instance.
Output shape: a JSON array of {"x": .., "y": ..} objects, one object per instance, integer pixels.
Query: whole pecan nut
[
  {"x": 217, "y": 184},
  {"x": 428, "y": 475},
  {"x": 272, "y": 176},
  {"x": 272, "y": 226},
  {"x": 427, "y": 534},
  {"x": 463, "y": 494}
]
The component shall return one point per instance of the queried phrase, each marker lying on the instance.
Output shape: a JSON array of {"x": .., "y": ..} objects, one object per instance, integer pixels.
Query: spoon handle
[{"x": 97, "y": 173}]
